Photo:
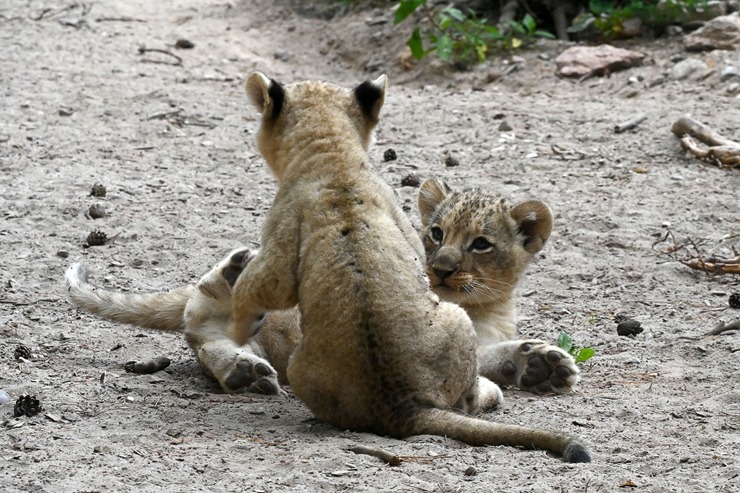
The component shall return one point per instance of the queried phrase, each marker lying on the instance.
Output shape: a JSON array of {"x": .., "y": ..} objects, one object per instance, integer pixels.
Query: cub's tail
[
  {"x": 159, "y": 311},
  {"x": 479, "y": 432}
]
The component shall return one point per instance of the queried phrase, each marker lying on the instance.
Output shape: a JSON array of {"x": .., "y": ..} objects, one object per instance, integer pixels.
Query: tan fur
[
  {"x": 390, "y": 375},
  {"x": 380, "y": 352},
  {"x": 202, "y": 313},
  {"x": 478, "y": 246}
]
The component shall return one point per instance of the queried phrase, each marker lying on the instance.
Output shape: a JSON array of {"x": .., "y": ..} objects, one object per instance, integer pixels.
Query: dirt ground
[{"x": 173, "y": 145}]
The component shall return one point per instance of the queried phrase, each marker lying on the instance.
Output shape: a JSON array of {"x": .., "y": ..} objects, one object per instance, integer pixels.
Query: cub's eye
[
  {"x": 481, "y": 243},
  {"x": 436, "y": 234}
]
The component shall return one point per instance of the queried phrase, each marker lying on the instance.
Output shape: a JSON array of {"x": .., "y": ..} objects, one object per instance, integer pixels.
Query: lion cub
[
  {"x": 379, "y": 351},
  {"x": 478, "y": 246}
]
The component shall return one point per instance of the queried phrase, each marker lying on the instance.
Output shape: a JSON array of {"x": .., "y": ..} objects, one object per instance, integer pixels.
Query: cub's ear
[
  {"x": 431, "y": 193},
  {"x": 534, "y": 220},
  {"x": 265, "y": 94},
  {"x": 371, "y": 95}
]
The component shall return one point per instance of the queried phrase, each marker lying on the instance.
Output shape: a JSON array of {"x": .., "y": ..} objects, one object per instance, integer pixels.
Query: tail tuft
[
  {"x": 76, "y": 274},
  {"x": 576, "y": 453}
]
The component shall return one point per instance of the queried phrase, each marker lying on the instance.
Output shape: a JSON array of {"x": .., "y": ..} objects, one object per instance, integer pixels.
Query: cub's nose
[{"x": 443, "y": 273}]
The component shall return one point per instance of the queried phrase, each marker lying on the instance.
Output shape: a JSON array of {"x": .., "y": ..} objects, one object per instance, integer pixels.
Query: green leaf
[
  {"x": 544, "y": 34},
  {"x": 529, "y": 23},
  {"x": 455, "y": 14},
  {"x": 565, "y": 342},
  {"x": 585, "y": 354},
  {"x": 517, "y": 27},
  {"x": 416, "y": 44},
  {"x": 405, "y": 9},
  {"x": 444, "y": 47}
]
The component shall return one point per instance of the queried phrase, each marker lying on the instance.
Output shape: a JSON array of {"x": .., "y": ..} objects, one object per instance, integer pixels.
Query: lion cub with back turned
[{"x": 379, "y": 351}]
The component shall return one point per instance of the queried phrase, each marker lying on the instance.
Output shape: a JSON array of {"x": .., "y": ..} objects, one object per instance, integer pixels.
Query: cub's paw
[
  {"x": 250, "y": 373},
  {"x": 235, "y": 263},
  {"x": 532, "y": 365}
]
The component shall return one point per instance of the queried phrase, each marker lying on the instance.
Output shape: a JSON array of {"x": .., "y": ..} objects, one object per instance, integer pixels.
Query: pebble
[
  {"x": 687, "y": 68},
  {"x": 733, "y": 87},
  {"x": 505, "y": 127},
  {"x": 727, "y": 72},
  {"x": 4, "y": 397}
]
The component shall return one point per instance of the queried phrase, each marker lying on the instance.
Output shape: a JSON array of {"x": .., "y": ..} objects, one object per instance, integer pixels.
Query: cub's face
[{"x": 478, "y": 244}]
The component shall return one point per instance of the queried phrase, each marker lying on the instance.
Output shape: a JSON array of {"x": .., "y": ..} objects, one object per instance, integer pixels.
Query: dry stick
[
  {"x": 722, "y": 327},
  {"x": 630, "y": 124},
  {"x": 383, "y": 455},
  {"x": 688, "y": 126},
  {"x": 720, "y": 150},
  {"x": 143, "y": 50}
]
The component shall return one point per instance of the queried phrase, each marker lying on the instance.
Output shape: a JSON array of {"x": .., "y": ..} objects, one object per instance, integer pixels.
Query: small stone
[
  {"x": 62, "y": 254},
  {"x": 733, "y": 87},
  {"x": 728, "y": 72},
  {"x": 98, "y": 190},
  {"x": 281, "y": 55},
  {"x": 389, "y": 155},
  {"x": 629, "y": 327},
  {"x": 65, "y": 112},
  {"x": 505, "y": 127},
  {"x": 410, "y": 180},
  {"x": 691, "y": 67},
  {"x": 471, "y": 471},
  {"x": 451, "y": 162},
  {"x": 184, "y": 44},
  {"x": 4, "y": 397}
]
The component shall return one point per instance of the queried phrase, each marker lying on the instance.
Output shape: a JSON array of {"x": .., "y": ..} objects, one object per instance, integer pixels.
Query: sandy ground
[{"x": 173, "y": 146}]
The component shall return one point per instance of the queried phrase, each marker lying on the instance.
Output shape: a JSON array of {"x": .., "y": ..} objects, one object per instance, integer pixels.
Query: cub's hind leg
[
  {"x": 206, "y": 318},
  {"x": 531, "y": 365}
]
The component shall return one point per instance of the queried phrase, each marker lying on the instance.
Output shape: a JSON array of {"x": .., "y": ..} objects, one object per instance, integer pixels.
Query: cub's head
[
  {"x": 478, "y": 244},
  {"x": 297, "y": 113}
]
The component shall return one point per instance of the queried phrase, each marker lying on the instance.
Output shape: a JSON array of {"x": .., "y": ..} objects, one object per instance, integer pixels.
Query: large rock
[
  {"x": 578, "y": 61},
  {"x": 721, "y": 33}
]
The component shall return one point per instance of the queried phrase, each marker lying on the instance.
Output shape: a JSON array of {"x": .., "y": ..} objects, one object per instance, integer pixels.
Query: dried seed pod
[
  {"x": 389, "y": 155},
  {"x": 98, "y": 190},
  {"x": 27, "y": 405},
  {"x": 451, "y": 162},
  {"x": 97, "y": 238},
  {"x": 96, "y": 211},
  {"x": 735, "y": 301},
  {"x": 147, "y": 367},
  {"x": 410, "y": 180},
  {"x": 22, "y": 352}
]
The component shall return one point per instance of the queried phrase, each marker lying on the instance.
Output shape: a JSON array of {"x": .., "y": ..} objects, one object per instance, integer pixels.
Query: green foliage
[
  {"x": 609, "y": 17},
  {"x": 580, "y": 354},
  {"x": 461, "y": 36}
]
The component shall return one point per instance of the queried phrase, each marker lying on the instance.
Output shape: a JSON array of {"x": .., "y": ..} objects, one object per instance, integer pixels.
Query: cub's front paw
[
  {"x": 532, "y": 365},
  {"x": 252, "y": 374},
  {"x": 235, "y": 263}
]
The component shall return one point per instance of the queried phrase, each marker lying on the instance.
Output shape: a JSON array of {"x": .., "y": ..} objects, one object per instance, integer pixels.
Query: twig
[
  {"x": 630, "y": 124},
  {"x": 383, "y": 455},
  {"x": 719, "y": 149},
  {"x": 143, "y": 49},
  {"x": 119, "y": 19},
  {"x": 723, "y": 327}
]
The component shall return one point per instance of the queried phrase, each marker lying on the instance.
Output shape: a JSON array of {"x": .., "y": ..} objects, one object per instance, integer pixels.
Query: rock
[
  {"x": 691, "y": 67},
  {"x": 721, "y": 33},
  {"x": 733, "y": 87},
  {"x": 579, "y": 61},
  {"x": 727, "y": 72},
  {"x": 4, "y": 397}
]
